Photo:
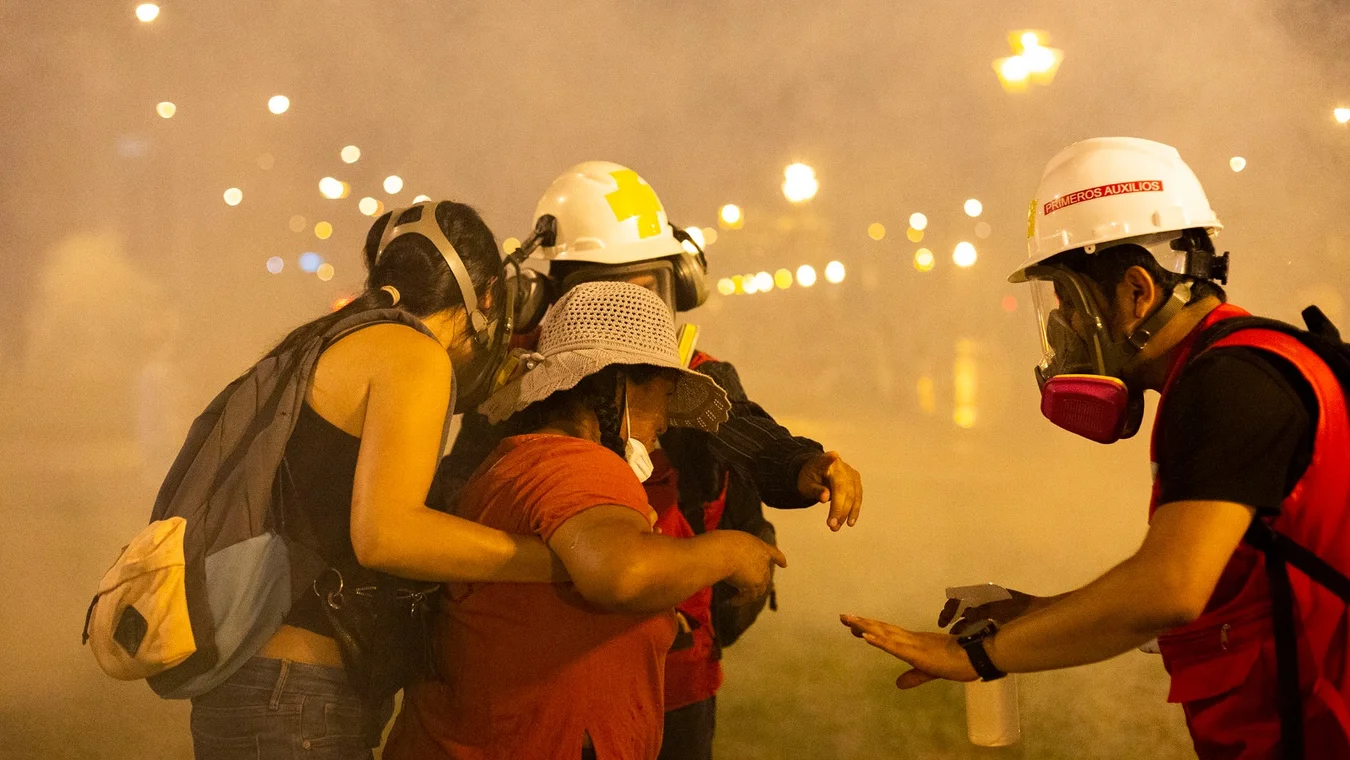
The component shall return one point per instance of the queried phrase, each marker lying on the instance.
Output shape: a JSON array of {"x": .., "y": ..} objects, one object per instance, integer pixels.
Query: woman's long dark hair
[
  {"x": 414, "y": 267},
  {"x": 596, "y": 392}
]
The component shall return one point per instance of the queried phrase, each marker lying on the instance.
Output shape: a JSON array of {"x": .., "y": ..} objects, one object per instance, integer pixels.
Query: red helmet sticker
[{"x": 1103, "y": 191}]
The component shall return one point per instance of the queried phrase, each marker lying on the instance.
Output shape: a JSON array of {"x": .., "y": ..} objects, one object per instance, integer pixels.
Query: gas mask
[
  {"x": 657, "y": 275},
  {"x": 1082, "y": 365},
  {"x": 490, "y": 339}
]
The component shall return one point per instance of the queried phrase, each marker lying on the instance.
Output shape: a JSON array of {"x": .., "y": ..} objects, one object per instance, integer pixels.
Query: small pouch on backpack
[{"x": 138, "y": 624}]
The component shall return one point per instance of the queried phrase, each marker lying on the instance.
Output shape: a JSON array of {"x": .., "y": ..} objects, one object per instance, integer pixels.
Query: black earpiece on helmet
[
  {"x": 533, "y": 289},
  {"x": 691, "y": 273}
]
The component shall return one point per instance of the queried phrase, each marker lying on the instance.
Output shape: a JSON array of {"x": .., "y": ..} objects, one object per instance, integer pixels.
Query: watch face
[{"x": 978, "y": 632}]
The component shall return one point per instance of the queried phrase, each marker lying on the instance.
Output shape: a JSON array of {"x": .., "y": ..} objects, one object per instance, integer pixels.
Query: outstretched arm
[
  {"x": 790, "y": 472},
  {"x": 1165, "y": 584}
]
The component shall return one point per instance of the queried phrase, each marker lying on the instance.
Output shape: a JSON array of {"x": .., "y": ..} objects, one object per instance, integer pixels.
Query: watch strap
[{"x": 973, "y": 643}]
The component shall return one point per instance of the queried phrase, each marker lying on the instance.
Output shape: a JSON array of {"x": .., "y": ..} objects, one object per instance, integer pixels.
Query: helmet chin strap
[{"x": 1144, "y": 332}]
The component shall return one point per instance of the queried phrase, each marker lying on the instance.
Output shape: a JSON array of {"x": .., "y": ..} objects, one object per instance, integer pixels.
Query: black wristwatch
[{"x": 973, "y": 643}]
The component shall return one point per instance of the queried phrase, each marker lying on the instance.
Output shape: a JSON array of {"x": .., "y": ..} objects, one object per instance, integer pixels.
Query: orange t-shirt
[{"x": 528, "y": 669}]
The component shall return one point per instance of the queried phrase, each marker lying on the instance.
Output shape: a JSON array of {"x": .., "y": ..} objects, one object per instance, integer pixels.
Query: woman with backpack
[
  {"x": 353, "y": 483},
  {"x": 574, "y": 670}
]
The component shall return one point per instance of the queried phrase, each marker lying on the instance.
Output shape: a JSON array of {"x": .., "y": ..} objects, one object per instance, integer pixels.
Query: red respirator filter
[{"x": 1093, "y": 406}]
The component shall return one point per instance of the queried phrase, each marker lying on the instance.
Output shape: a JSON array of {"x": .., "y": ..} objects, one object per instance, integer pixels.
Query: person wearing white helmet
[
  {"x": 601, "y": 221},
  {"x": 1249, "y": 451}
]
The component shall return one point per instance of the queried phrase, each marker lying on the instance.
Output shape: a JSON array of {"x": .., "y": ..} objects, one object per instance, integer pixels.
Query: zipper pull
[{"x": 1223, "y": 635}]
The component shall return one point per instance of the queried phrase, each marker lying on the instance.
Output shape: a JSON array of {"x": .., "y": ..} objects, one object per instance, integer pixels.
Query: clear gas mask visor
[
  {"x": 656, "y": 275},
  {"x": 1080, "y": 369},
  {"x": 1073, "y": 332}
]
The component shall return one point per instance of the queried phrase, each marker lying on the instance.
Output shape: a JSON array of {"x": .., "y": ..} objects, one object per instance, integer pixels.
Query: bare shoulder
[{"x": 388, "y": 349}]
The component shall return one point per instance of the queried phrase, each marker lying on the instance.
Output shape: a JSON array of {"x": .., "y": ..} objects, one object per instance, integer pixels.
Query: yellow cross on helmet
[{"x": 606, "y": 214}]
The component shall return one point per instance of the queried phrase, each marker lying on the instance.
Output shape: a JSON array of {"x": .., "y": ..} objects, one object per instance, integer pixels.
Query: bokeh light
[
  {"x": 1342, "y": 115},
  {"x": 806, "y": 275},
  {"x": 323, "y": 230},
  {"x": 924, "y": 260},
  {"x": 750, "y": 284},
  {"x": 310, "y": 261},
  {"x": 275, "y": 265},
  {"x": 783, "y": 279},
  {"x": 510, "y": 245},
  {"x": 350, "y": 154},
  {"x": 147, "y": 12},
  {"x": 297, "y": 223},
  {"x": 339, "y": 303},
  {"x": 965, "y": 255},
  {"x": 1237, "y": 163},
  {"x": 393, "y": 184},
  {"x": 738, "y": 283},
  {"x": 973, "y": 208},
  {"x": 331, "y": 188},
  {"x": 764, "y": 282},
  {"x": 1010, "y": 303},
  {"x": 697, "y": 235},
  {"x": 1039, "y": 59},
  {"x": 421, "y": 198},
  {"x": 799, "y": 183},
  {"x": 917, "y": 221},
  {"x": 876, "y": 230},
  {"x": 964, "y": 417},
  {"x": 325, "y": 271},
  {"x": 725, "y": 286},
  {"x": 1013, "y": 70},
  {"x": 278, "y": 104},
  {"x": 731, "y": 216},
  {"x": 1034, "y": 61},
  {"x": 369, "y": 206},
  {"x": 834, "y": 272},
  {"x": 165, "y": 109},
  {"x": 234, "y": 196},
  {"x": 983, "y": 230},
  {"x": 710, "y": 234},
  {"x": 914, "y": 235}
]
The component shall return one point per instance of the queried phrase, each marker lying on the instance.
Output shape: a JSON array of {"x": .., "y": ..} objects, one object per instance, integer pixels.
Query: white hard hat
[
  {"x": 1113, "y": 189},
  {"x": 606, "y": 214}
]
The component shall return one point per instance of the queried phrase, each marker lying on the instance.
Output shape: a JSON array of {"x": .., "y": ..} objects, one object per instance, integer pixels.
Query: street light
[
  {"x": 806, "y": 275},
  {"x": 964, "y": 256},
  {"x": 799, "y": 183},
  {"x": 1033, "y": 61},
  {"x": 834, "y": 272}
]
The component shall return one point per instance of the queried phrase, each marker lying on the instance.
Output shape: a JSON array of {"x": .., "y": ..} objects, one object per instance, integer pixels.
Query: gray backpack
[{"x": 203, "y": 587}]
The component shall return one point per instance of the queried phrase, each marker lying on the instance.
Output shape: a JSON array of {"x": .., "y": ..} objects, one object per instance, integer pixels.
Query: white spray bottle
[{"x": 992, "y": 717}]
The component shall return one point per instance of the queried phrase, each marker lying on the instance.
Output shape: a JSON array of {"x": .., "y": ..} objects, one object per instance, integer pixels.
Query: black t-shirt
[{"x": 1238, "y": 426}]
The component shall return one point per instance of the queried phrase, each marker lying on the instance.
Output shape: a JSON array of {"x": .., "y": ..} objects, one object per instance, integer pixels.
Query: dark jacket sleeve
[
  {"x": 756, "y": 447},
  {"x": 476, "y": 441}
]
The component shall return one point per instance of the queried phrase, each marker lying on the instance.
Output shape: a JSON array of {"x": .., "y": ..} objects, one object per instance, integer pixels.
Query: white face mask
[{"x": 635, "y": 451}]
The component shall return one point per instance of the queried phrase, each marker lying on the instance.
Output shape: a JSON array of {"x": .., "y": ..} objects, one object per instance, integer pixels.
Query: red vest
[
  {"x": 1223, "y": 663},
  {"x": 693, "y": 674}
]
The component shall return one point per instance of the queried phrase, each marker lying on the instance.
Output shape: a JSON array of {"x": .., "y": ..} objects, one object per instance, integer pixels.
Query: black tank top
[{"x": 316, "y": 481}]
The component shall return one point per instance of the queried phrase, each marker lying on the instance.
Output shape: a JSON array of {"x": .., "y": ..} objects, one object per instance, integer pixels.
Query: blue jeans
[{"x": 275, "y": 709}]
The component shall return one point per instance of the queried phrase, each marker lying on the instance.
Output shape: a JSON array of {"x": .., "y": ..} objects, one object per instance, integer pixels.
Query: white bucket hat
[{"x": 597, "y": 324}]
